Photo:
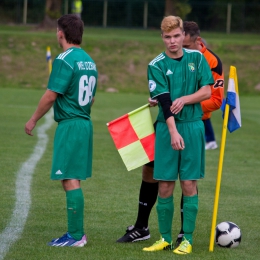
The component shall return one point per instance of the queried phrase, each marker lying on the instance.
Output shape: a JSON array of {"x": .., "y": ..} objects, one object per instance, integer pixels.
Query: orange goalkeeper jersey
[{"x": 217, "y": 89}]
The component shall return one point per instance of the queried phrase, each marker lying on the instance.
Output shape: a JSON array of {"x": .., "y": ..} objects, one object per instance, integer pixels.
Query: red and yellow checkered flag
[{"x": 133, "y": 135}]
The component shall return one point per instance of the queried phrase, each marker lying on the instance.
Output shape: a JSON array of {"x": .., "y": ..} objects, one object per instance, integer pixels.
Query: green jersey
[
  {"x": 179, "y": 77},
  {"x": 74, "y": 78}
]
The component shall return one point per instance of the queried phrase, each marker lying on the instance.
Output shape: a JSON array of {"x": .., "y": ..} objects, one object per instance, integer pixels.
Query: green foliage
[
  {"x": 53, "y": 14},
  {"x": 111, "y": 195},
  {"x": 183, "y": 8}
]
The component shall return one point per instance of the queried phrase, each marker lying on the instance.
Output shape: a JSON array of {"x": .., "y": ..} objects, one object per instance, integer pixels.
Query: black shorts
[{"x": 150, "y": 164}]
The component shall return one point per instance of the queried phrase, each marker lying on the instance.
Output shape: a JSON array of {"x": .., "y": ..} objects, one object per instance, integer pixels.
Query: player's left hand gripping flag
[{"x": 133, "y": 135}]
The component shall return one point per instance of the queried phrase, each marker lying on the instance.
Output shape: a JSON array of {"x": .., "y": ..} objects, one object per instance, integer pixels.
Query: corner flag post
[
  {"x": 48, "y": 58},
  {"x": 232, "y": 75},
  {"x": 219, "y": 175}
]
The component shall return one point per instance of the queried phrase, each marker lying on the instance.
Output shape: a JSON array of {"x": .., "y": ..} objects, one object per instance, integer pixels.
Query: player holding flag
[
  {"x": 149, "y": 187},
  {"x": 184, "y": 77}
]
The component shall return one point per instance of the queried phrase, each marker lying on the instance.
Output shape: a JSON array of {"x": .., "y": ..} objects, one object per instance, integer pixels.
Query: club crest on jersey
[
  {"x": 152, "y": 85},
  {"x": 191, "y": 67}
]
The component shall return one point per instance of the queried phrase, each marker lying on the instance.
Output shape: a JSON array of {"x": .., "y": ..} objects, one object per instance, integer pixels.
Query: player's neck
[
  {"x": 69, "y": 45},
  {"x": 174, "y": 55}
]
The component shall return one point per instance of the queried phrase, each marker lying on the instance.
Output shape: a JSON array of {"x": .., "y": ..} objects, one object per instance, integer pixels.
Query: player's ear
[
  {"x": 59, "y": 32},
  {"x": 198, "y": 40}
]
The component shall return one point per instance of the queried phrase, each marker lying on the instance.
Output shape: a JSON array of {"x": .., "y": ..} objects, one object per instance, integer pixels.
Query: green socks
[
  {"x": 190, "y": 210},
  {"x": 165, "y": 210},
  {"x": 75, "y": 213}
]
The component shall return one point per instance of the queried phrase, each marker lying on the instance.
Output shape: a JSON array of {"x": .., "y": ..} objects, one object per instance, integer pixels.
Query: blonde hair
[{"x": 170, "y": 23}]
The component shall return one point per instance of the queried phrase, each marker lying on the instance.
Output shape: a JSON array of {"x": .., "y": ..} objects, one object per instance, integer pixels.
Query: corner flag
[
  {"x": 133, "y": 136},
  {"x": 232, "y": 121},
  {"x": 48, "y": 58},
  {"x": 234, "y": 117}
]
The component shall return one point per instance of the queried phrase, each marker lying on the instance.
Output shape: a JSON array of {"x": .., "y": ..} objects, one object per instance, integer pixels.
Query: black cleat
[{"x": 134, "y": 234}]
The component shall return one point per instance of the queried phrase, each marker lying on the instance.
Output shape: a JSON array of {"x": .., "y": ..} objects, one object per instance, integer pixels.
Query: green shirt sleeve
[
  {"x": 60, "y": 77},
  {"x": 156, "y": 81}
]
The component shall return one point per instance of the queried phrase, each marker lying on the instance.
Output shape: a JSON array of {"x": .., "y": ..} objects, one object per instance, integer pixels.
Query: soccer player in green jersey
[
  {"x": 184, "y": 77},
  {"x": 149, "y": 187},
  {"x": 71, "y": 90}
]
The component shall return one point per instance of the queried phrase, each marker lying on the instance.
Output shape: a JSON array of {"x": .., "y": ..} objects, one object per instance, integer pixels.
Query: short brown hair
[
  {"x": 191, "y": 28},
  {"x": 72, "y": 27},
  {"x": 171, "y": 22}
]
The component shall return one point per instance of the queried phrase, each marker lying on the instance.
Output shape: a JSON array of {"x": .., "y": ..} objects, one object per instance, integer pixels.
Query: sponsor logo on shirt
[
  {"x": 152, "y": 85},
  {"x": 191, "y": 67}
]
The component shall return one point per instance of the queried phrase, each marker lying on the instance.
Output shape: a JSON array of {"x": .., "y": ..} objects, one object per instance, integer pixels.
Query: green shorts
[
  {"x": 187, "y": 164},
  {"x": 72, "y": 152}
]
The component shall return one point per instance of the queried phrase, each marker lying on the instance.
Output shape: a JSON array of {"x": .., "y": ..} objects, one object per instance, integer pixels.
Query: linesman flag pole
[
  {"x": 48, "y": 58},
  {"x": 232, "y": 121}
]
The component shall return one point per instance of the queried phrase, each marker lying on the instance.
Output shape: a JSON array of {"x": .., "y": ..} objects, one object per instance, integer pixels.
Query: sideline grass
[
  {"x": 111, "y": 195},
  {"x": 121, "y": 56}
]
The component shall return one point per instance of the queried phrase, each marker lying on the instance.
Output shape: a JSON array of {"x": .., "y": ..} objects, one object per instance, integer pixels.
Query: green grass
[
  {"x": 121, "y": 56},
  {"x": 111, "y": 195}
]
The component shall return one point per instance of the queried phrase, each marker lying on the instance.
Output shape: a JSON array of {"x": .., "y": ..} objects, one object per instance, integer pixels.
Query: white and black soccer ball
[{"x": 227, "y": 234}]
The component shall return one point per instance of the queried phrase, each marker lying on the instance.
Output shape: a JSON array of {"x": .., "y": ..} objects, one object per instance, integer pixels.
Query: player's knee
[
  {"x": 189, "y": 188},
  {"x": 166, "y": 188}
]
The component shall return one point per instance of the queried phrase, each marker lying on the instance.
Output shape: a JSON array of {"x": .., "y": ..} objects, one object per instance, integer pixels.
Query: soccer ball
[{"x": 227, "y": 234}]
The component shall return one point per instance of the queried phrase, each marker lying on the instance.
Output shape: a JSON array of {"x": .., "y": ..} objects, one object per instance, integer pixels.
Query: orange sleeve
[{"x": 217, "y": 89}]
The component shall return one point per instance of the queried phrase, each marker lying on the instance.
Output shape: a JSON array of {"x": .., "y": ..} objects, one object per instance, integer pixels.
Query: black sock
[
  {"x": 147, "y": 198},
  {"x": 181, "y": 231}
]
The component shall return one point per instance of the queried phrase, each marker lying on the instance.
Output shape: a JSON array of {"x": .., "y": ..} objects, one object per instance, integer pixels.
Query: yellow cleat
[
  {"x": 159, "y": 245},
  {"x": 184, "y": 248}
]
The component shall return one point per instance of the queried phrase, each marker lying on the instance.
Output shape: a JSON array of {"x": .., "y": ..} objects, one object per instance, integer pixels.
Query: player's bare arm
[
  {"x": 177, "y": 141},
  {"x": 202, "y": 94},
  {"x": 44, "y": 106}
]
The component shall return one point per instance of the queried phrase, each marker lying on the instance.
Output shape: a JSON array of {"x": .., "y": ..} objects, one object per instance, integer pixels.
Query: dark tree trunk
[
  {"x": 52, "y": 13},
  {"x": 170, "y": 7}
]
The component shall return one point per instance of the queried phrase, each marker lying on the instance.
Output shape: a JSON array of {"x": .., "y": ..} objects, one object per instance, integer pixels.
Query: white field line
[{"x": 15, "y": 227}]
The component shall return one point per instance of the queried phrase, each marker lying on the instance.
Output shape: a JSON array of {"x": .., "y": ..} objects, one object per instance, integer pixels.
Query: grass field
[
  {"x": 121, "y": 56},
  {"x": 111, "y": 195},
  {"x": 33, "y": 207}
]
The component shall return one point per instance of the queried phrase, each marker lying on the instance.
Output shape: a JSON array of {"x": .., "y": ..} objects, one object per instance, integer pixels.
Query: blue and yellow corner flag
[
  {"x": 234, "y": 117},
  {"x": 133, "y": 135},
  {"x": 232, "y": 122},
  {"x": 48, "y": 58}
]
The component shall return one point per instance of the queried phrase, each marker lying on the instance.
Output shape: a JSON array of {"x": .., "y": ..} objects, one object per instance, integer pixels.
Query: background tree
[
  {"x": 52, "y": 13},
  {"x": 177, "y": 7}
]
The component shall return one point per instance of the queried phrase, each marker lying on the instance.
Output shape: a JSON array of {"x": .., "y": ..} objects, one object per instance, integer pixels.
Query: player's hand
[
  {"x": 29, "y": 126},
  {"x": 177, "y": 105},
  {"x": 152, "y": 102},
  {"x": 177, "y": 141}
]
